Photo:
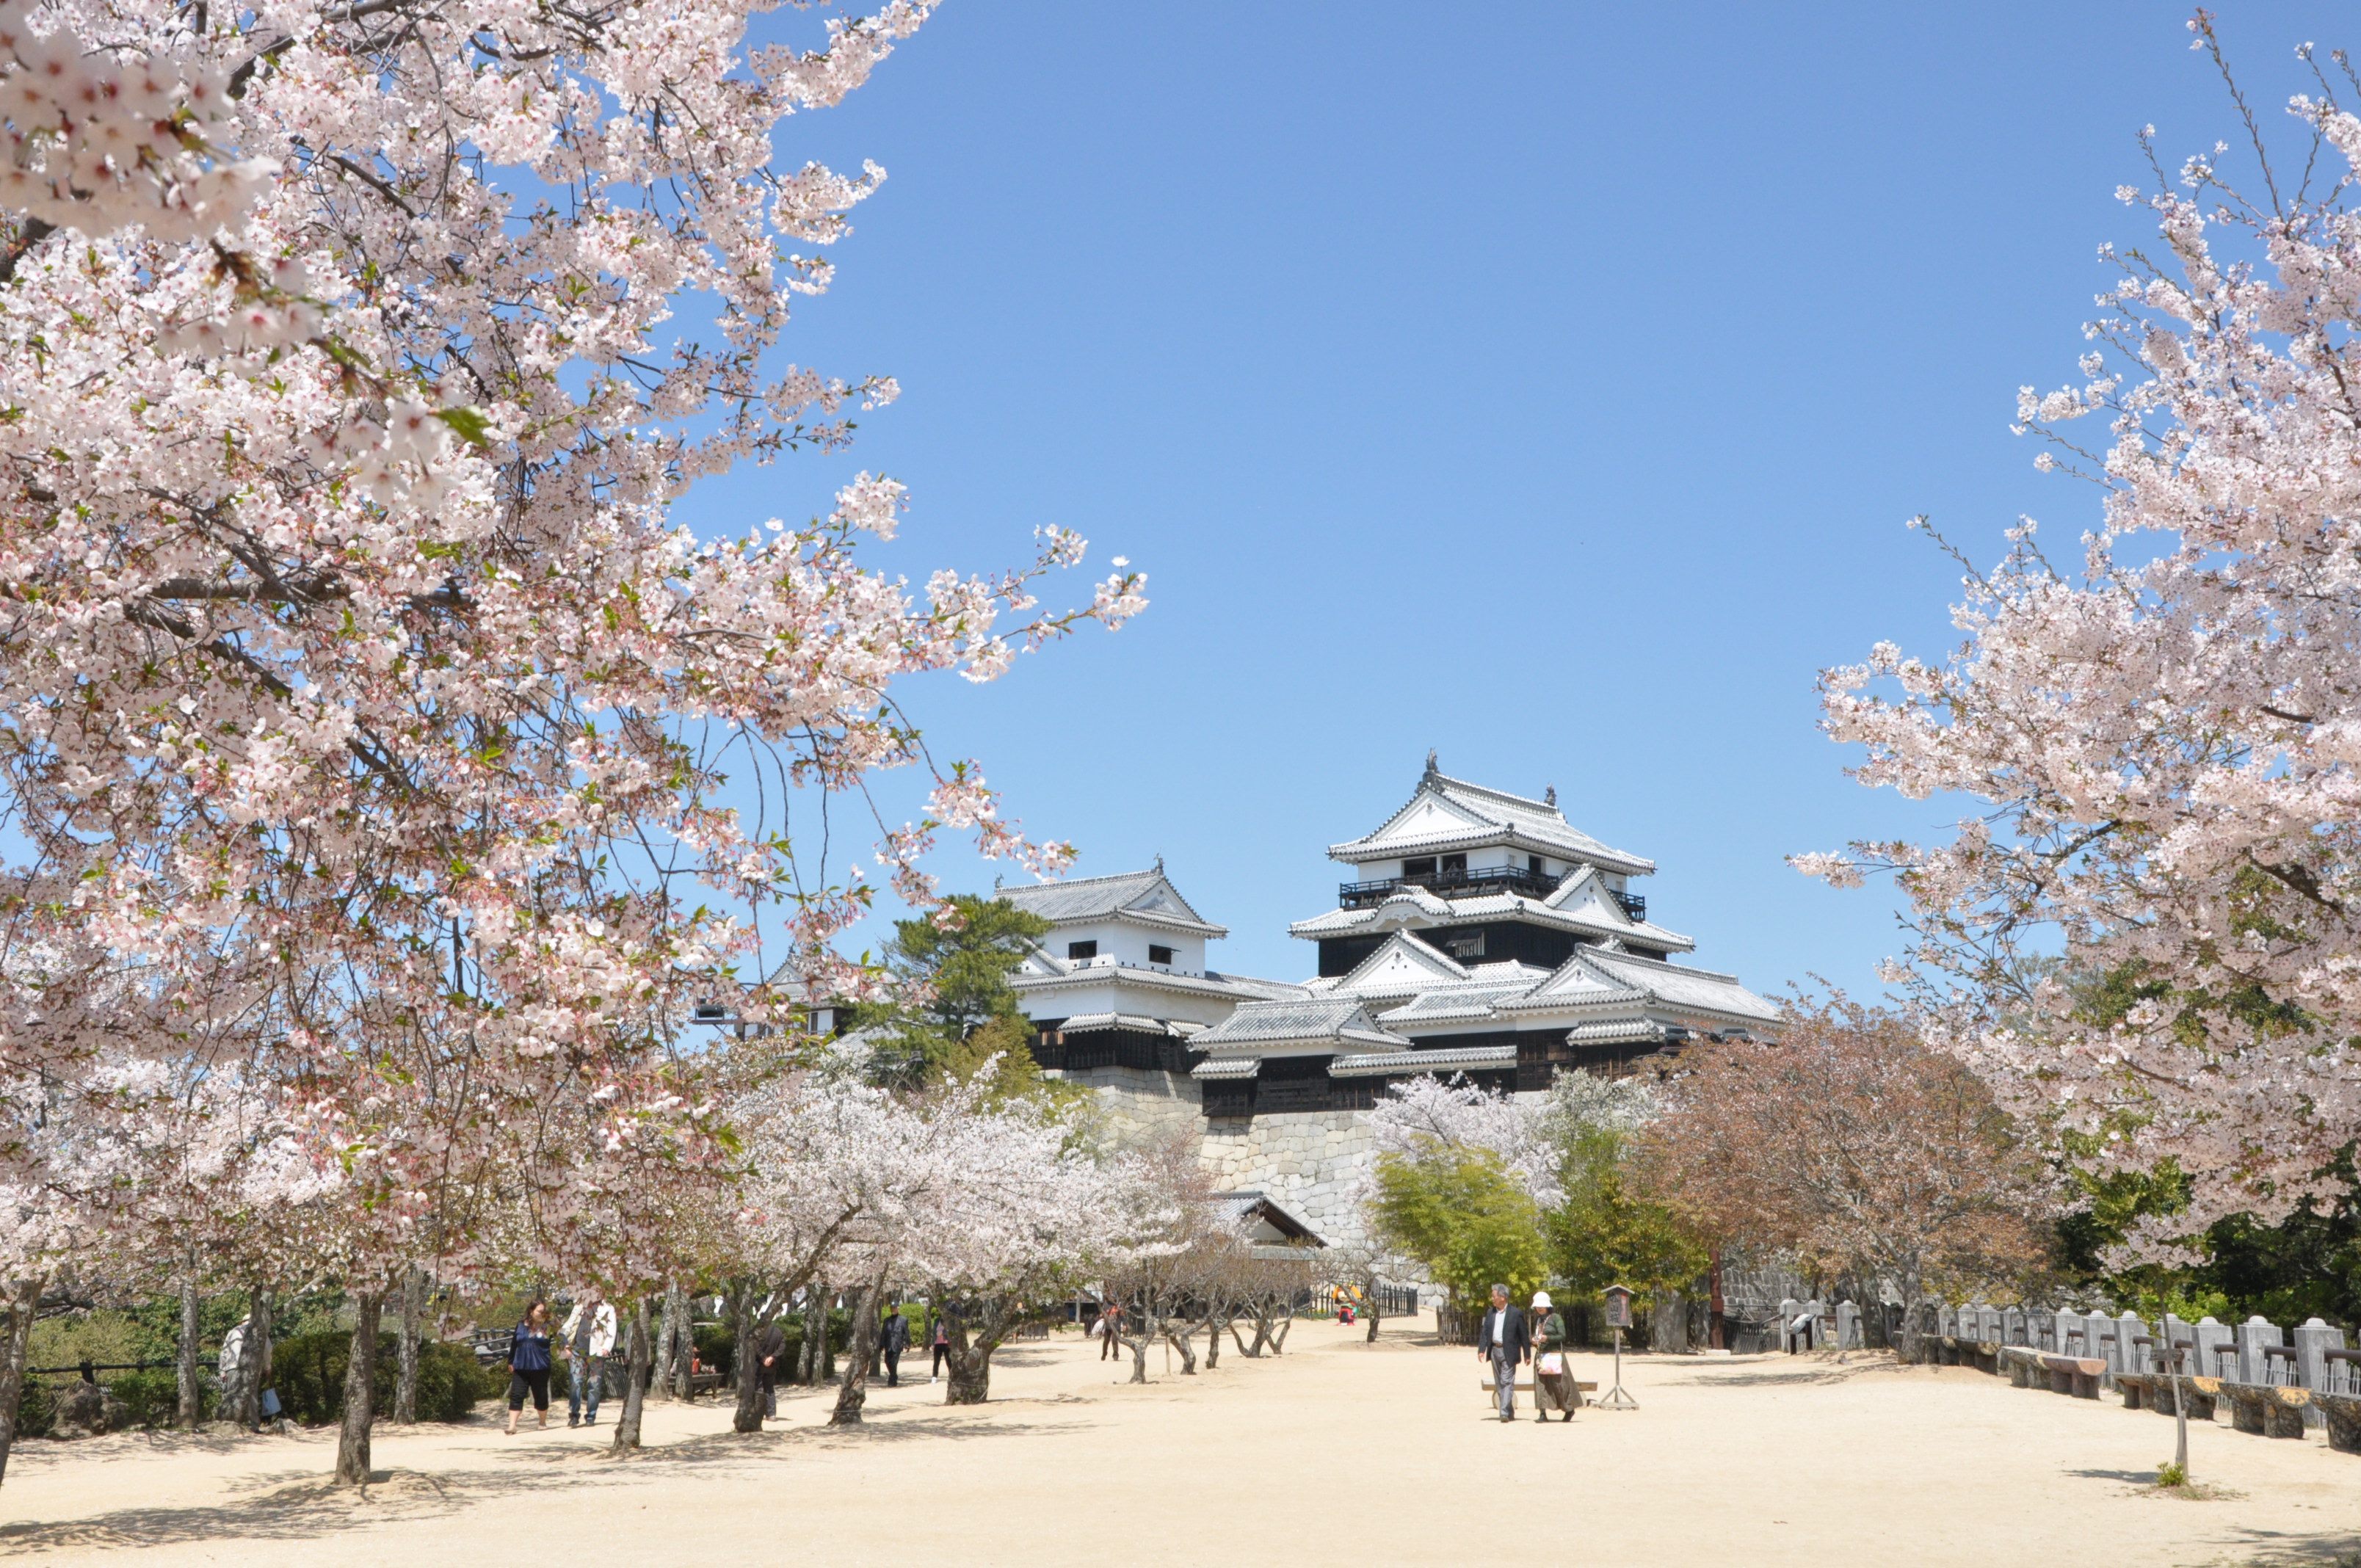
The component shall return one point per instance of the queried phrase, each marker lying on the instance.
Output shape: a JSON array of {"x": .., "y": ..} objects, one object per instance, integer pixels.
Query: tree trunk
[
  {"x": 808, "y": 1347},
  {"x": 191, "y": 1410},
  {"x": 684, "y": 1347},
  {"x": 22, "y": 1302},
  {"x": 1910, "y": 1347},
  {"x": 854, "y": 1391},
  {"x": 361, "y": 1390},
  {"x": 1181, "y": 1342},
  {"x": 405, "y": 1386},
  {"x": 1213, "y": 1344},
  {"x": 745, "y": 1361},
  {"x": 668, "y": 1335},
  {"x": 970, "y": 1361},
  {"x": 257, "y": 1358},
  {"x": 635, "y": 1381},
  {"x": 1279, "y": 1346}
]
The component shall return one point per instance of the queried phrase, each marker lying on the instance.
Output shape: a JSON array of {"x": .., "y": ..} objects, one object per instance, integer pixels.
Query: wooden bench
[
  {"x": 2343, "y": 1414},
  {"x": 2075, "y": 1375},
  {"x": 2139, "y": 1390},
  {"x": 2023, "y": 1364},
  {"x": 2267, "y": 1410},
  {"x": 1525, "y": 1386}
]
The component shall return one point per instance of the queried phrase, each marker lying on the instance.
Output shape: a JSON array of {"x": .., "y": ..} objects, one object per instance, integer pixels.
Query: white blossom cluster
[{"x": 99, "y": 143}]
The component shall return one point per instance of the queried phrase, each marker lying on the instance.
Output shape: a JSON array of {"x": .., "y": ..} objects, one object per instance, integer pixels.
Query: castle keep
[{"x": 1479, "y": 933}]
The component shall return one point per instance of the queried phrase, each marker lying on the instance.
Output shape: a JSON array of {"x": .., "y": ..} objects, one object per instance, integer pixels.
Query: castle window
[
  {"x": 1423, "y": 866},
  {"x": 1469, "y": 946},
  {"x": 1079, "y": 951},
  {"x": 1157, "y": 955},
  {"x": 1455, "y": 865}
]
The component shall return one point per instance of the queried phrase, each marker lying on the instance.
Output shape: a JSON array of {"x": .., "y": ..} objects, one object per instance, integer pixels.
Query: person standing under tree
[
  {"x": 894, "y": 1338},
  {"x": 771, "y": 1345},
  {"x": 942, "y": 1344},
  {"x": 589, "y": 1338},
  {"x": 529, "y": 1364},
  {"x": 1506, "y": 1342},
  {"x": 1110, "y": 1329}
]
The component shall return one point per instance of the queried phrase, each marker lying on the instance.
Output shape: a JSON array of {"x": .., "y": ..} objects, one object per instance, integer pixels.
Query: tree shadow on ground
[
  {"x": 307, "y": 1509},
  {"x": 307, "y": 1506},
  {"x": 2129, "y": 1477},
  {"x": 2284, "y": 1549}
]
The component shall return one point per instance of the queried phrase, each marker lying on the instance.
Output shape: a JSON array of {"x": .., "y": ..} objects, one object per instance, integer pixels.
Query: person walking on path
[
  {"x": 1506, "y": 1342},
  {"x": 529, "y": 1364},
  {"x": 894, "y": 1338},
  {"x": 1554, "y": 1387},
  {"x": 942, "y": 1345},
  {"x": 771, "y": 1345},
  {"x": 590, "y": 1335}
]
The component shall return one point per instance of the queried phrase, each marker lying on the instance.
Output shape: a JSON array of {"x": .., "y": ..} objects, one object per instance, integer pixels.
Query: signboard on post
[{"x": 1618, "y": 1318}]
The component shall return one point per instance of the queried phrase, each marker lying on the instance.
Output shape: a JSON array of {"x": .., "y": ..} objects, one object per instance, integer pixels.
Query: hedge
[{"x": 308, "y": 1370}]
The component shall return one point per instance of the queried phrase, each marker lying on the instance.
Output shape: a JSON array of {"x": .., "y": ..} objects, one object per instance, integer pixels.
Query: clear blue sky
[{"x": 1544, "y": 383}]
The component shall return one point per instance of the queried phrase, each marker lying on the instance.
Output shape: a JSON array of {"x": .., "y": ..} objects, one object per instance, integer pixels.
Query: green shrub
[
  {"x": 151, "y": 1397},
  {"x": 36, "y": 1408},
  {"x": 309, "y": 1373}
]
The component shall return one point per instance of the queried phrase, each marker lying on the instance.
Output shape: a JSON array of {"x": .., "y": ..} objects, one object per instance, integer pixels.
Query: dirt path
[{"x": 1336, "y": 1453}]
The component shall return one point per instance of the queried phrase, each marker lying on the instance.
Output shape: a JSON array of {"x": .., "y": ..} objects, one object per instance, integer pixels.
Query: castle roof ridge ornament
[
  {"x": 1549, "y": 795},
  {"x": 1433, "y": 768}
]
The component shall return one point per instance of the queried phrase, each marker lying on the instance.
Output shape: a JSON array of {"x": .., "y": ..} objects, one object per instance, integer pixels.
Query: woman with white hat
[{"x": 1554, "y": 1387}]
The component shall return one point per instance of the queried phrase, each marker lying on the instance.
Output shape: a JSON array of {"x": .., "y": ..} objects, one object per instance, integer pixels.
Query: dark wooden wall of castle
[
  {"x": 1303, "y": 1083},
  {"x": 1111, "y": 1047},
  {"x": 1503, "y": 940}
]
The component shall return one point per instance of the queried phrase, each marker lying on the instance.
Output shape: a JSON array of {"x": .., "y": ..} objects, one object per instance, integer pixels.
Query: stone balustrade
[{"x": 2274, "y": 1383}]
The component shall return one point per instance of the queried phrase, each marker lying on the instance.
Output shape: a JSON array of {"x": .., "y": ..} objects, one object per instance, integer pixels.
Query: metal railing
[{"x": 1450, "y": 884}]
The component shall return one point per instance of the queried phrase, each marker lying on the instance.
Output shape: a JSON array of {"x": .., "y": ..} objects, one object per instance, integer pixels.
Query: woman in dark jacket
[{"x": 529, "y": 1364}]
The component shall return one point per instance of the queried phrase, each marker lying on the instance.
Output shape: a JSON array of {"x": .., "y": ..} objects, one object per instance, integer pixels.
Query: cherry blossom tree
[
  {"x": 2146, "y": 930},
  {"x": 343, "y": 617},
  {"x": 1853, "y": 1144}
]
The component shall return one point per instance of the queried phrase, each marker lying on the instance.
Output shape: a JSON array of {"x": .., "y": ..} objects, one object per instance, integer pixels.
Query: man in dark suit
[{"x": 1505, "y": 1340}]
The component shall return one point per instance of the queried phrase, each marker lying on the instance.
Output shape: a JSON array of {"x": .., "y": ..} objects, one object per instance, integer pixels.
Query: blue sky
[{"x": 1546, "y": 384}]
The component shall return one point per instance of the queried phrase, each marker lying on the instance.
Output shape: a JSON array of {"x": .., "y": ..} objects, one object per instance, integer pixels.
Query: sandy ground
[{"x": 1338, "y": 1452}]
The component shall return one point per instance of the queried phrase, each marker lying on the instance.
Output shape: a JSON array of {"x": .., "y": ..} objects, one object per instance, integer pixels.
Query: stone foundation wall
[
  {"x": 1141, "y": 1105},
  {"x": 1311, "y": 1163}
]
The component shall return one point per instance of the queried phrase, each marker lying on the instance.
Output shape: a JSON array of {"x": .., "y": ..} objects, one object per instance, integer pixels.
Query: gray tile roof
[
  {"x": 1339, "y": 1020},
  {"x": 1442, "y": 1058},
  {"x": 1472, "y": 814},
  {"x": 1146, "y": 896}
]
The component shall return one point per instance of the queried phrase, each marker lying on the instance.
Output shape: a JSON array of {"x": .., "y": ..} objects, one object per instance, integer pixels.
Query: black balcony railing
[
  {"x": 1472, "y": 885},
  {"x": 1450, "y": 884}
]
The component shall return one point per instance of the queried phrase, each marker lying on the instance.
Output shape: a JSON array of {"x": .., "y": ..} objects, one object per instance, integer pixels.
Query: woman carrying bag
[{"x": 1553, "y": 1387}]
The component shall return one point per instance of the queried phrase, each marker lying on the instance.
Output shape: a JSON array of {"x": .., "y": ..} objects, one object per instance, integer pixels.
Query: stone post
[
  {"x": 2071, "y": 1340},
  {"x": 1988, "y": 1324},
  {"x": 2211, "y": 1336},
  {"x": 2041, "y": 1329},
  {"x": 2253, "y": 1334},
  {"x": 1788, "y": 1308},
  {"x": 1849, "y": 1326},
  {"x": 2012, "y": 1326},
  {"x": 2129, "y": 1331},
  {"x": 2313, "y": 1339},
  {"x": 2174, "y": 1332}
]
